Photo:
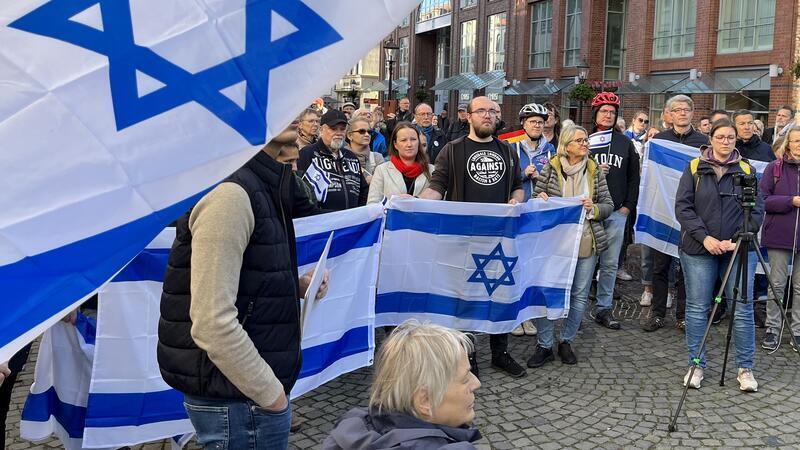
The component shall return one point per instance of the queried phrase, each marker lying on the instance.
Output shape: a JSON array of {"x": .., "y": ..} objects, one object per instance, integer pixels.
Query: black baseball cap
[{"x": 333, "y": 117}]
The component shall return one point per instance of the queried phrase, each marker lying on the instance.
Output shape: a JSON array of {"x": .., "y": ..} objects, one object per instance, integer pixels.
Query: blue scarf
[{"x": 428, "y": 132}]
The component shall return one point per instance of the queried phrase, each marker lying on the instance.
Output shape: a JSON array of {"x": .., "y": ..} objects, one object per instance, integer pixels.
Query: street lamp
[
  {"x": 390, "y": 48},
  {"x": 583, "y": 73},
  {"x": 353, "y": 92}
]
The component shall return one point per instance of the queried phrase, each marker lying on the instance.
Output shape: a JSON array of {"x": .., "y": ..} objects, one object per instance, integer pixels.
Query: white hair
[{"x": 416, "y": 357}]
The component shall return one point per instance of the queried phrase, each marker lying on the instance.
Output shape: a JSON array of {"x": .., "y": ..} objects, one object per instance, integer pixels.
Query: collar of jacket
[
  {"x": 591, "y": 170},
  {"x": 683, "y": 135},
  {"x": 384, "y": 422}
]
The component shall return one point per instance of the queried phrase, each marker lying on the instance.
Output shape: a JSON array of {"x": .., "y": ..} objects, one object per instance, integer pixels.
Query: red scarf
[{"x": 412, "y": 171}]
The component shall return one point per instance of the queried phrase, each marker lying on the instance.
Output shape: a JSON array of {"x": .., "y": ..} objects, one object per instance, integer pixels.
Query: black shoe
[
  {"x": 795, "y": 342},
  {"x": 540, "y": 357},
  {"x": 507, "y": 364},
  {"x": 718, "y": 316},
  {"x": 566, "y": 354},
  {"x": 770, "y": 342},
  {"x": 653, "y": 324},
  {"x": 606, "y": 319},
  {"x": 473, "y": 357},
  {"x": 760, "y": 317},
  {"x": 593, "y": 291}
]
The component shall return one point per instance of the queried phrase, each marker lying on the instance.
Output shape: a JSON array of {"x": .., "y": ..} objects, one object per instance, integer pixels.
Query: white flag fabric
[
  {"x": 664, "y": 163},
  {"x": 115, "y": 116},
  {"x": 56, "y": 404},
  {"x": 479, "y": 267},
  {"x": 129, "y": 403}
]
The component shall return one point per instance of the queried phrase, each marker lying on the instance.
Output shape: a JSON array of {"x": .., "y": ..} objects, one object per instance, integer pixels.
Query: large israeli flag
[
  {"x": 664, "y": 163},
  {"x": 129, "y": 403},
  {"x": 479, "y": 267},
  {"x": 115, "y": 116}
]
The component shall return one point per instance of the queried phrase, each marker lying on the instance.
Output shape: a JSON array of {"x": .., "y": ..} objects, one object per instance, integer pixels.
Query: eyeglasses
[
  {"x": 725, "y": 138},
  {"x": 581, "y": 141},
  {"x": 483, "y": 112},
  {"x": 681, "y": 111},
  {"x": 360, "y": 131},
  {"x": 608, "y": 112},
  {"x": 312, "y": 121},
  {"x": 644, "y": 121},
  {"x": 536, "y": 123}
]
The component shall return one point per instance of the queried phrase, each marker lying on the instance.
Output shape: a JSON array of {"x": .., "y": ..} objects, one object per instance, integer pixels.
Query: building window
[
  {"x": 467, "y": 57},
  {"x": 442, "y": 54},
  {"x": 674, "y": 29},
  {"x": 657, "y": 102},
  {"x": 468, "y": 3},
  {"x": 541, "y": 34},
  {"x": 496, "y": 42},
  {"x": 615, "y": 39},
  {"x": 745, "y": 26},
  {"x": 404, "y": 58},
  {"x": 406, "y": 21},
  {"x": 572, "y": 37},
  {"x": 431, "y": 9},
  {"x": 754, "y": 101}
]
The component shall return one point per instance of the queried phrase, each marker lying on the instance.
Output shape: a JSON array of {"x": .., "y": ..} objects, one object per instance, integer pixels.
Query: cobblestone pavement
[{"x": 620, "y": 395}]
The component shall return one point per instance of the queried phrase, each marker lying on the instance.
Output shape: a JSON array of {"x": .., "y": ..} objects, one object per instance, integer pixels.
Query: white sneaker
[
  {"x": 518, "y": 331},
  {"x": 697, "y": 378},
  {"x": 670, "y": 297},
  {"x": 529, "y": 328},
  {"x": 747, "y": 382},
  {"x": 623, "y": 275},
  {"x": 647, "y": 299}
]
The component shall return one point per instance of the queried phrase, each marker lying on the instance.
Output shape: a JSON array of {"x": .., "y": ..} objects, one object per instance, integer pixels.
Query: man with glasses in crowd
[
  {"x": 308, "y": 127},
  {"x": 482, "y": 169},
  {"x": 423, "y": 114},
  {"x": 681, "y": 109}
]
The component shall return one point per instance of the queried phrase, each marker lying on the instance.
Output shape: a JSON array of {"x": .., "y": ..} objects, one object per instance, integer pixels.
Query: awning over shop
[
  {"x": 399, "y": 85},
  {"x": 726, "y": 82},
  {"x": 542, "y": 88},
  {"x": 469, "y": 81},
  {"x": 653, "y": 84}
]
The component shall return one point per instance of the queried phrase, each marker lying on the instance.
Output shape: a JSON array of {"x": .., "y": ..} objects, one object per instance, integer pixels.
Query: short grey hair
[
  {"x": 680, "y": 98},
  {"x": 416, "y": 108},
  {"x": 416, "y": 357}
]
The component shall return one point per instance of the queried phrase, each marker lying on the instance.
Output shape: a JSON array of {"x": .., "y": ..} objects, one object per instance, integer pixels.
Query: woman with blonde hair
[
  {"x": 572, "y": 173},
  {"x": 422, "y": 397}
]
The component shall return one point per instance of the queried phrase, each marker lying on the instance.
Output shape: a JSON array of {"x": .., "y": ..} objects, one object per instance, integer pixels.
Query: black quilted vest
[{"x": 267, "y": 300}]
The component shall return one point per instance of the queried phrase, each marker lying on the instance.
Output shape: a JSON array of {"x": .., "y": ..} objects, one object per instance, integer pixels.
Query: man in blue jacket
[
  {"x": 747, "y": 141},
  {"x": 534, "y": 151}
]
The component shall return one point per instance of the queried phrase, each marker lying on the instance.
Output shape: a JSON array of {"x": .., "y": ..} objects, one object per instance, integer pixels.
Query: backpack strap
[{"x": 693, "y": 168}]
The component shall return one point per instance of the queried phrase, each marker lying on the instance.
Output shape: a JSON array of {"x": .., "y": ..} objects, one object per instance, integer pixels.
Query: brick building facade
[{"x": 734, "y": 54}]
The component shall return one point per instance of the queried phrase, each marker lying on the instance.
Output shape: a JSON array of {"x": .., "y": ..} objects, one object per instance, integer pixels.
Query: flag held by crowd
[
  {"x": 118, "y": 115},
  {"x": 476, "y": 266}
]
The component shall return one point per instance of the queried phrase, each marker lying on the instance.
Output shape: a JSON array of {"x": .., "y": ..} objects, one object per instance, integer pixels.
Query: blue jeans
[
  {"x": 647, "y": 265},
  {"x": 238, "y": 424},
  {"x": 700, "y": 273},
  {"x": 608, "y": 261},
  {"x": 579, "y": 295}
]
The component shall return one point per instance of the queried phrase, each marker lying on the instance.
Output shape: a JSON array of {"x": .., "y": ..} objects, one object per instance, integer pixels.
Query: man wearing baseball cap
[
  {"x": 459, "y": 127},
  {"x": 347, "y": 188}
]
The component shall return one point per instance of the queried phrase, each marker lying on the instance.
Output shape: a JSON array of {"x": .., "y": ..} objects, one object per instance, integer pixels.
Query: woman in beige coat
[{"x": 407, "y": 172}]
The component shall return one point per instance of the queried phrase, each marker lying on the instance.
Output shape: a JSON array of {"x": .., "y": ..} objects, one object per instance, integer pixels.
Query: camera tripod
[{"x": 746, "y": 241}]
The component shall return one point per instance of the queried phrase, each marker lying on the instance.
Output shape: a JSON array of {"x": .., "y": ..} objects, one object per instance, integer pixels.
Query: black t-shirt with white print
[{"x": 486, "y": 180}]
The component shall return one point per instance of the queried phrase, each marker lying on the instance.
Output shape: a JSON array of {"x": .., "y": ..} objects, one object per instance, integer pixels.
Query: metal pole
[{"x": 391, "y": 64}]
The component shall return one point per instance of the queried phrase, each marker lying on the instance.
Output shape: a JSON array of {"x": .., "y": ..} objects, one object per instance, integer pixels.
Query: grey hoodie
[{"x": 360, "y": 430}]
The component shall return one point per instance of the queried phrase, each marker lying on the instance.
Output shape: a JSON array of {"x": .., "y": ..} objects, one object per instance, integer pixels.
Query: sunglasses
[
  {"x": 644, "y": 121},
  {"x": 361, "y": 131}
]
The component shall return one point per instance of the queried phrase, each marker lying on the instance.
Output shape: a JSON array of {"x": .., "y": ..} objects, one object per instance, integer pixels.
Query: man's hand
[
  {"x": 4, "y": 372},
  {"x": 513, "y": 201},
  {"x": 71, "y": 318},
  {"x": 279, "y": 404},
  {"x": 305, "y": 280},
  {"x": 604, "y": 168},
  {"x": 796, "y": 201},
  {"x": 543, "y": 196},
  {"x": 625, "y": 211},
  {"x": 530, "y": 172},
  {"x": 390, "y": 116}
]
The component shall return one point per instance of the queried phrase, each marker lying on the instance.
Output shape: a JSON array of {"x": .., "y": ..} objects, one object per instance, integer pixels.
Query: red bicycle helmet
[{"x": 605, "y": 98}]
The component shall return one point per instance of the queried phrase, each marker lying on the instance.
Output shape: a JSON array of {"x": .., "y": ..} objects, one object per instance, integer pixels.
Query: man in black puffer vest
[{"x": 229, "y": 332}]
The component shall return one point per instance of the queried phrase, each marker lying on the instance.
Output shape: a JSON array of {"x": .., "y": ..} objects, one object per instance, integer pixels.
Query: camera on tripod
[{"x": 749, "y": 189}]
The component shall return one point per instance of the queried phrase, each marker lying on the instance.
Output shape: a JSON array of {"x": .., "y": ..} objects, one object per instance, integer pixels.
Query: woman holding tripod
[
  {"x": 780, "y": 186},
  {"x": 710, "y": 215}
]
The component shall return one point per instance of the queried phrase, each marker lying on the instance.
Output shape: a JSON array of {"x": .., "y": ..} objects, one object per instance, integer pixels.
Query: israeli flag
[
  {"x": 478, "y": 267},
  {"x": 600, "y": 139},
  {"x": 129, "y": 403},
  {"x": 664, "y": 163},
  {"x": 116, "y": 116},
  {"x": 319, "y": 180}
]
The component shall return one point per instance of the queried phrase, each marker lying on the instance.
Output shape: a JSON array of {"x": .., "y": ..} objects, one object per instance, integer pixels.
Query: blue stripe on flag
[
  {"x": 413, "y": 302},
  {"x": 86, "y": 327},
  {"x": 39, "y": 408},
  {"x": 134, "y": 409},
  {"x": 149, "y": 265},
  {"x": 320, "y": 357},
  {"x": 509, "y": 227},
  {"x": 658, "y": 230},
  {"x": 310, "y": 247},
  {"x": 668, "y": 157},
  {"x": 42, "y": 285}
]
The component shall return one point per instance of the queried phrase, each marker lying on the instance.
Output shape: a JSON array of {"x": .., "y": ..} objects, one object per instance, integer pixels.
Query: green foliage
[
  {"x": 421, "y": 95},
  {"x": 582, "y": 92},
  {"x": 794, "y": 69}
]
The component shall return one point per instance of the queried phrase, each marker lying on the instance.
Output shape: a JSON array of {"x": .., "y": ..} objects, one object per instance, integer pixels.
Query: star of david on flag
[
  {"x": 506, "y": 263},
  {"x": 117, "y": 116}
]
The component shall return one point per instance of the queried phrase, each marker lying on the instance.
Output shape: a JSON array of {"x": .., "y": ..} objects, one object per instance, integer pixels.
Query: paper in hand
[{"x": 310, "y": 299}]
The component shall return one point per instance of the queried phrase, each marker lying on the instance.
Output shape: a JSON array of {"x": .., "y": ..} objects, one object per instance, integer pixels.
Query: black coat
[
  {"x": 755, "y": 149},
  {"x": 348, "y": 188},
  {"x": 457, "y": 130}
]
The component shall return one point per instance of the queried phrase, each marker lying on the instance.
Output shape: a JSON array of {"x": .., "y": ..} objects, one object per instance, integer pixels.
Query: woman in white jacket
[{"x": 407, "y": 171}]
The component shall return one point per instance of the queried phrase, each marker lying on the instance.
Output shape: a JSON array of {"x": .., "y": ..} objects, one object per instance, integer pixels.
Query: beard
[
  {"x": 337, "y": 144},
  {"x": 484, "y": 131}
]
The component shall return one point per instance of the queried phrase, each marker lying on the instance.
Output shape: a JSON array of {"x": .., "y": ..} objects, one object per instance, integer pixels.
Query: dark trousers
[
  {"x": 661, "y": 267},
  {"x": 498, "y": 343},
  {"x": 16, "y": 364}
]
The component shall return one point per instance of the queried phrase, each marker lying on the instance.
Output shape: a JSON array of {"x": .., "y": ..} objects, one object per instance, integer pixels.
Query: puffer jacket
[
  {"x": 550, "y": 180},
  {"x": 779, "y": 185}
]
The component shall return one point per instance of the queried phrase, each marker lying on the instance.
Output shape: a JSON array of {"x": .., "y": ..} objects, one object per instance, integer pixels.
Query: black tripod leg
[
  {"x": 696, "y": 360},
  {"x": 741, "y": 280},
  {"x": 775, "y": 298}
]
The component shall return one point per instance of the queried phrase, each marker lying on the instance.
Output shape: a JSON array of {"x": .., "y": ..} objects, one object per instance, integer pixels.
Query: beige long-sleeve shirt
[{"x": 221, "y": 225}]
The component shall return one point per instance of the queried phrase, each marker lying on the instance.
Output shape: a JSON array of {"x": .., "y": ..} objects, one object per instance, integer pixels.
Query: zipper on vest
[{"x": 249, "y": 312}]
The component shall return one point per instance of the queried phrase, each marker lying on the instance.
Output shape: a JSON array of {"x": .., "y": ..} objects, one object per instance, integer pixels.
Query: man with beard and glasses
[
  {"x": 460, "y": 177},
  {"x": 348, "y": 188}
]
